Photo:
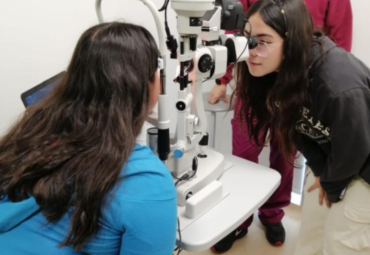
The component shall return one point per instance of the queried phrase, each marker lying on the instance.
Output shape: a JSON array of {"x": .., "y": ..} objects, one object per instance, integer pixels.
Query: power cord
[
  {"x": 178, "y": 248},
  {"x": 187, "y": 176}
]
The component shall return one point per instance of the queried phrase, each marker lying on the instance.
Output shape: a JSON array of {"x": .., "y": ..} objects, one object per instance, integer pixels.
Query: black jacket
[{"x": 335, "y": 126}]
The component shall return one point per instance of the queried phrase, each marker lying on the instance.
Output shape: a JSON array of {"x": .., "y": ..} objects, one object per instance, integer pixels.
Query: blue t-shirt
[{"x": 139, "y": 217}]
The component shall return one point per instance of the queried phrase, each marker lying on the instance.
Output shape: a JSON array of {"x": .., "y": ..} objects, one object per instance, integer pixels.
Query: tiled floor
[{"x": 255, "y": 242}]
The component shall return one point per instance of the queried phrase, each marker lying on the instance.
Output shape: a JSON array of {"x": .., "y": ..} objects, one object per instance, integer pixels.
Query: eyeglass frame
[
  {"x": 269, "y": 47},
  {"x": 264, "y": 43}
]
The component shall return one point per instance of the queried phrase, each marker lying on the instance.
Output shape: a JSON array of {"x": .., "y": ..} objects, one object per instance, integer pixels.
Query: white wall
[
  {"x": 361, "y": 26},
  {"x": 37, "y": 39}
]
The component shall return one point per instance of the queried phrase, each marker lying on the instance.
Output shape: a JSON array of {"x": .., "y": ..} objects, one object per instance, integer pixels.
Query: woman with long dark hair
[
  {"x": 72, "y": 178},
  {"x": 334, "y": 18},
  {"x": 314, "y": 96}
]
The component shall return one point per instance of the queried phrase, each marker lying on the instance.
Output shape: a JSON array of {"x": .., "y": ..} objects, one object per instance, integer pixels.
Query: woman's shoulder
[
  {"x": 144, "y": 191},
  {"x": 143, "y": 161},
  {"x": 337, "y": 71},
  {"x": 145, "y": 177}
]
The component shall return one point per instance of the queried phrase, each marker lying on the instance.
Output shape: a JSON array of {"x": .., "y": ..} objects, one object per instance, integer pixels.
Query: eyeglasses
[{"x": 263, "y": 49}]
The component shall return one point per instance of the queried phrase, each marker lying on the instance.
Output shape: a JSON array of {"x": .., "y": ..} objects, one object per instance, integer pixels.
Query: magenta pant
[{"x": 271, "y": 211}]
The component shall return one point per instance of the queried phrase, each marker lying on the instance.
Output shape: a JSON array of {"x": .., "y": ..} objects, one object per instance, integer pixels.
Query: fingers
[
  {"x": 226, "y": 100},
  {"x": 313, "y": 187},
  {"x": 327, "y": 202},
  {"x": 321, "y": 197},
  {"x": 212, "y": 99},
  {"x": 217, "y": 93}
]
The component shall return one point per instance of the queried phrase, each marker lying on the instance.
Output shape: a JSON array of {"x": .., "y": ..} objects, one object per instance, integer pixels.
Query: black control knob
[
  {"x": 195, "y": 22},
  {"x": 205, "y": 63},
  {"x": 202, "y": 146},
  {"x": 181, "y": 106},
  {"x": 204, "y": 140}
]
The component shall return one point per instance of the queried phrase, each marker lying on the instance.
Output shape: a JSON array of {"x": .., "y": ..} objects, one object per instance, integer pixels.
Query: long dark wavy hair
[
  {"x": 277, "y": 98},
  {"x": 68, "y": 150}
]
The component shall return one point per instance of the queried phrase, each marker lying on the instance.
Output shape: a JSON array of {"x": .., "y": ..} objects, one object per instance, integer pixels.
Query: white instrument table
[{"x": 250, "y": 186}]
